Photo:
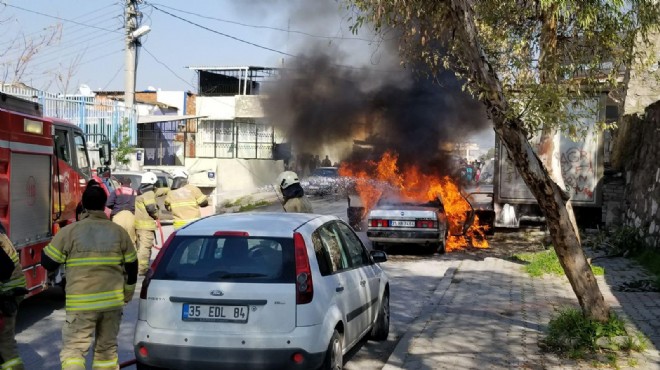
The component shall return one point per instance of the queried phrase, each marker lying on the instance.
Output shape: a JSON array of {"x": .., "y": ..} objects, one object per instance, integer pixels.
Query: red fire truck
[{"x": 44, "y": 168}]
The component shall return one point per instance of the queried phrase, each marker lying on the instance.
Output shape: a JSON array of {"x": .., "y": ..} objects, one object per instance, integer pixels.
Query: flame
[{"x": 373, "y": 178}]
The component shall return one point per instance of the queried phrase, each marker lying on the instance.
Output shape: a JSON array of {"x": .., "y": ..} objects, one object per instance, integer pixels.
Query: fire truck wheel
[{"x": 62, "y": 285}]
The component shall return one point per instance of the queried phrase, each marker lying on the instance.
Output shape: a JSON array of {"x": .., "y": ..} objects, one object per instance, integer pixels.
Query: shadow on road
[{"x": 36, "y": 308}]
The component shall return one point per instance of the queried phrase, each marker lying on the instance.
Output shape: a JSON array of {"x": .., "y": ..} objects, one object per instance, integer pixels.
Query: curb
[{"x": 398, "y": 356}]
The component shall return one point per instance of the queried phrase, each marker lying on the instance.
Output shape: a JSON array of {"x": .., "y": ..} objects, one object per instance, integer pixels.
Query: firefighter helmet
[
  {"x": 287, "y": 178},
  {"x": 149, "y": 178}
]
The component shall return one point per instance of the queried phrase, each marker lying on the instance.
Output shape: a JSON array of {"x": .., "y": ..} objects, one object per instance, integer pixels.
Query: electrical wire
[
  {"x": 74, "y": 52},
  {"x": 168, "y": 68},
  {"x": 78, "y": 17},
  {"x": 58, "y": 18},
  {"x": 259, "y": 26},
  {"x": 100, "y": 57},
  {"x": 261, "y": 46},
  {"x": 121, "y": 66}
]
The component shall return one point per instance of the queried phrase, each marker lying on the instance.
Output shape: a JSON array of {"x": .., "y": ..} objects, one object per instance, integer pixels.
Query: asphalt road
[{"x": 413, "y": 278}]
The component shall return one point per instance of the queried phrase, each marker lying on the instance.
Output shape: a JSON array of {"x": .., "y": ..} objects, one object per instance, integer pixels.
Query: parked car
[
  {"x": 164, "y": 181},
  {"x": 260, "y": 290},
  {"x": 397, "y": 221}
]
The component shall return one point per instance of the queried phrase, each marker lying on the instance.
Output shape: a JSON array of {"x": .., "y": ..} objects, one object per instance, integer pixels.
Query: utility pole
[{"x": 131, "y": 24}]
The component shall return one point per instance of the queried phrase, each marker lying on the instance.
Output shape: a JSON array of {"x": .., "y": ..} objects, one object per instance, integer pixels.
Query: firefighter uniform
[
  {"x": 122, "y": 203},
  {"x": 298, "y": 205},
  {"x": 184, "y": 203},
  {"x": 126, "y": 220},
  {"x": 146, "y": 214},
  {"x": 8, "y": 347},
  {"x": 101, "y": 270}
]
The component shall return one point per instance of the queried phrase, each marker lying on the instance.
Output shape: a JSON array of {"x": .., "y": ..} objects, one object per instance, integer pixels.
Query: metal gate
[{"x": 160, "y": 144}]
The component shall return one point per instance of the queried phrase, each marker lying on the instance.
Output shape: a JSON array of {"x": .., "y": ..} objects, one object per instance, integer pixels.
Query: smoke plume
[{"x": 331, "y": 96}]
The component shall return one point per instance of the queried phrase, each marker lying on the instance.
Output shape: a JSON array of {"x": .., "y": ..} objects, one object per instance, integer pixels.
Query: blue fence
[{"x": 93, "y": 115}]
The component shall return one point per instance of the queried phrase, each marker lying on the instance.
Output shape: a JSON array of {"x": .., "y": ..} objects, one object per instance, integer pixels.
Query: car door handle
[
  {"x": 339, "y": 289},
  {"x": 363, "y": 283}
]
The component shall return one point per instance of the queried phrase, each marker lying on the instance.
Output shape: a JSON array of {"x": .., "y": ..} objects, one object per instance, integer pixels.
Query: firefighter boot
[
  {"x": 8, "y": 348},
  {"x": 126, "y": 220},
  {"x": 145, "y": 240}
]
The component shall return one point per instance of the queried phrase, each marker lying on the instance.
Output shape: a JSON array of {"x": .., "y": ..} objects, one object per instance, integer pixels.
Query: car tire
[
  {"x": 334, "y": 358},
  {"x": 381, "y": 328},
  {"x": 141, "y": 366}
]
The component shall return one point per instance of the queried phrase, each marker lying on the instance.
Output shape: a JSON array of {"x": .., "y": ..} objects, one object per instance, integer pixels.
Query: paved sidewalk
[{"x": 490, "y": 314}]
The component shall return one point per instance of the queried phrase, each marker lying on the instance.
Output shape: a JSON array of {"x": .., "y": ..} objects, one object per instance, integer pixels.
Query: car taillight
[
  {"x": 427, "y": 224},
  {"x": 379, "y": 223},
  {"x": 304, "y": 285},
  {"x": 150, "y": 273}
]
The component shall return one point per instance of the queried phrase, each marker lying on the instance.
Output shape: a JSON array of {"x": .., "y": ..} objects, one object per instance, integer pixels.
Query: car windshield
[
  {"x": 234, "y": 259},
  {"x": 136, "y": 180},
  {"x": 326, "y": 172}
]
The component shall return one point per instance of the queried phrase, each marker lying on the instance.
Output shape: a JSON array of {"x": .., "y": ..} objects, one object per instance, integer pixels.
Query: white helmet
[
  {"x": 286, "y": 179},
  {"x": 180, "y": 173},
  {"x": 149, "y": 178}
]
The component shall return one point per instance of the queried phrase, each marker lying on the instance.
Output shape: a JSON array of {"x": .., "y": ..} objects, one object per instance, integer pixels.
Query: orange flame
[{"x": 414, "y": 185}]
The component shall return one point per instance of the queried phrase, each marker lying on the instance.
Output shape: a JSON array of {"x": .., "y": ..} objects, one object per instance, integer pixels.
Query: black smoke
[{"x": 319, "y": 101}]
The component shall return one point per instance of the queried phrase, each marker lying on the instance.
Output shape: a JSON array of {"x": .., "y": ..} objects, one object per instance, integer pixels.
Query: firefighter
[
  {"x": 12, "y": 291},
  {"x": 101, "y": 270},
  {"x": 122, "y": 204},
  {"x": 146, "y": 214},
  {"x": 294, "y": 196},
  {"x": 184, "y": 200}
]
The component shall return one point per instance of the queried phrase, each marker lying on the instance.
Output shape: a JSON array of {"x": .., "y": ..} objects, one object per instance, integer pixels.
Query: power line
[
  {"x": 168, "y": 68},
  {"x": 74, "y": 52},
  {"x": 101, "y": 57},
  {"x": 223, "y": 34},
  {"x": 261, "y": 26},
  {"x": 261, "y": 46},
  {"x": 121, "y": 66},
  {"x": 58, "y": 18}
]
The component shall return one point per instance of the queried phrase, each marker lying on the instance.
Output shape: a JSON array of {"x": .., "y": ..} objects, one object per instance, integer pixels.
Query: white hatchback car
[{"x": 261, "y": 290}]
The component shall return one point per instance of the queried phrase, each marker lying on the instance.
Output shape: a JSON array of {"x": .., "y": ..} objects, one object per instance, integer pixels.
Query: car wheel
[
  {"x": 334, "y": 358},
  {"x": 381, "y": 328},
  {"x": 140, "y": 366}
]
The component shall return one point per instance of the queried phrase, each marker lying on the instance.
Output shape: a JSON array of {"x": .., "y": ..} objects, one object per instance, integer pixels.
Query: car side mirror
[
  {"x": 378, "y": 256},
  {"x": 105, "y": 152}
]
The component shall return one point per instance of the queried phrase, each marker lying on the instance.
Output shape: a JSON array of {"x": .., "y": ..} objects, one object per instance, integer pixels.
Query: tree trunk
[{"x": 550, "y": 197}]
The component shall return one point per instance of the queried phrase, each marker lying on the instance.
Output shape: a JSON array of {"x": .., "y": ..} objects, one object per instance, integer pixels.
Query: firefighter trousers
[
  {"x": 126, "y": 220},
  {"x": 8, "y": 347},
  {"x": 145, "y": 240},
  {"x": 80, "y": 329}
]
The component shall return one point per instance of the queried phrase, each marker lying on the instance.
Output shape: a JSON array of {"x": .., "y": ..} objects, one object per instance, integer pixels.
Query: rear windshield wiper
[{"x": 241, "y": 275}]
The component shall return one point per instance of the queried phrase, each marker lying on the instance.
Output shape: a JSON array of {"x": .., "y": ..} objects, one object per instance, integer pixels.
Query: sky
[{"x": 88, "y": 47}]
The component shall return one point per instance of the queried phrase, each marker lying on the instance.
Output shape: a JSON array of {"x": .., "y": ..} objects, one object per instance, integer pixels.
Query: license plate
[
  {"x": 403, "y": 223},
  {"x": 214, "y": 313}
]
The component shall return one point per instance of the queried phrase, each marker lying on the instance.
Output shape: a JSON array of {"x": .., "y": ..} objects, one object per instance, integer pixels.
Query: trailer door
[{"x": 29, "y": 207}]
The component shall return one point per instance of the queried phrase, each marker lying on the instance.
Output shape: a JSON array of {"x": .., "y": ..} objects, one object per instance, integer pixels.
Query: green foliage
[
  {"x": 572, "y": 333},
  {"x": 547, "y": 262},
  {"x": 121, "y": 142},
  {"x": 550, "y": 56},
  {"x": 252, "y": 206}
]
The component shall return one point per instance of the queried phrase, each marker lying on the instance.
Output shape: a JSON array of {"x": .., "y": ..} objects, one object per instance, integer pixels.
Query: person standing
[
  {"x": 101, "y": 269},
  {"x": 184, "y": 200},
  {"x": 326, "y": 162},
  {"x": 12, "y": 291},
  {"x": 146, "y": 214},
  {"x": 294, "y": 196},
  {"x": 122, "y": 204}
]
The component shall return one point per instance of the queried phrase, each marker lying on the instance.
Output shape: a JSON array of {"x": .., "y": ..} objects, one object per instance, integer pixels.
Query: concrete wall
[
  {"x": 637, "y": 154},
  {"x": 216, "y": 107}
]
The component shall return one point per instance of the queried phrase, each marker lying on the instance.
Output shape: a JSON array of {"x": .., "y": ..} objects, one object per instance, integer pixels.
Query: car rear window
[{"x": 231, "y": 259}]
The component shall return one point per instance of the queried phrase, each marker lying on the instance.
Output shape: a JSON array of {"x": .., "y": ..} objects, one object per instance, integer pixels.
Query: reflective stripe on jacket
[
  {"x": 146, "y": 211},
  {"x": 185, "y": 204},
  {"x": 94, "y": 251},
  {"x": 17, "y": 279}
]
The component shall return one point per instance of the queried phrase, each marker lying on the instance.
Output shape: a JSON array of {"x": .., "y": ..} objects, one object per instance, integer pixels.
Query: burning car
[{"x": 397, "y": 221}]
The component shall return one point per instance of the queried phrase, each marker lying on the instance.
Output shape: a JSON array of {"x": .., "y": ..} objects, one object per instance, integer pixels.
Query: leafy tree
[
  {"x": 121, "y": 141},
  {"x": 536, "y": 65}
]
